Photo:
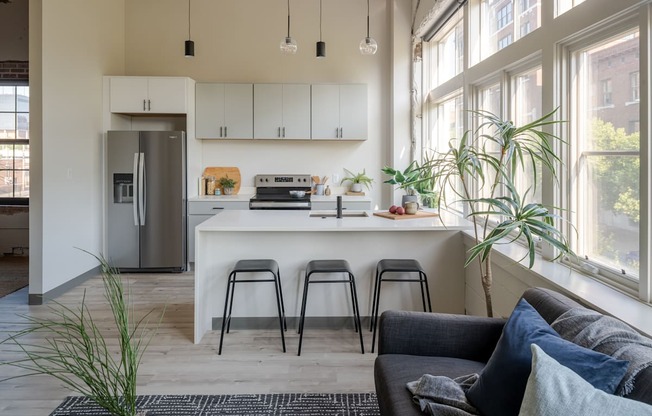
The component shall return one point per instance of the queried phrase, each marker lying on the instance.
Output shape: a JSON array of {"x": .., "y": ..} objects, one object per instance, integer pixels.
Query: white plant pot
[{"x": 356, "y": 187}]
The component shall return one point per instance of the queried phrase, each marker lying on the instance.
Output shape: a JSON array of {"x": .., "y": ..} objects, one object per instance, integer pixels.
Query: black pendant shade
[
  {"x": 190, "y": 49},
  {"x": 321, "y": 49}
]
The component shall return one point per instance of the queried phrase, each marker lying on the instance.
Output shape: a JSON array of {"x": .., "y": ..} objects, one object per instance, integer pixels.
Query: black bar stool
[
  {"x": 396, "y": 266},
  {"x": 330, "y": 266},
  {"x": 253, "y": 266}
]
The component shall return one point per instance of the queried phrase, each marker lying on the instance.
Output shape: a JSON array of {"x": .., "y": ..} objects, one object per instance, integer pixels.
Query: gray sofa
[{"x": 411, "y": 344}]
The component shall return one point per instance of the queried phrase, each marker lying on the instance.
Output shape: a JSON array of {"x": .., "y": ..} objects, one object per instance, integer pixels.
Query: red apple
[
  {"x": 400, "y": 210},
  {"x": 392, "y": 209}
]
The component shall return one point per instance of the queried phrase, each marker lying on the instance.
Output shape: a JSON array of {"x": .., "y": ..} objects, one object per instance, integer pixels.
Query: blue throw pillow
[{"x": 500, "y": 388}]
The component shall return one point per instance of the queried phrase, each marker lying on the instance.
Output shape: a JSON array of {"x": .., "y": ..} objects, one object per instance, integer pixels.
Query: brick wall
[{"x": 15, "y": 70}]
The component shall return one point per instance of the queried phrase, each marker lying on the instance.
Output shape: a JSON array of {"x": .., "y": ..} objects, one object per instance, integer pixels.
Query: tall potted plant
[
  {"x": 489, "y": 159},
  {"x": 76, "y": 353}
]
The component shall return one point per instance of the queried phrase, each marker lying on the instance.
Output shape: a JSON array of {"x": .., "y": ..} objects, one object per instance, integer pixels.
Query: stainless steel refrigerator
[{"x": 146, "y": 213}]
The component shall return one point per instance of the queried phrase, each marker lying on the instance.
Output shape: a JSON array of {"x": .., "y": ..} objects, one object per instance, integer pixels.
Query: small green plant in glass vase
[
  {"x": 357, "y": 180},
  {"x": 488, "y": 160},
  {"x": 227, "y": 184}
]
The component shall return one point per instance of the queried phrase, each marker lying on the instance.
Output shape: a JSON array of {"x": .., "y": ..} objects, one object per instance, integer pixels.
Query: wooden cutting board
[
  {"x": 220, "y": 172},
  {"x": 419, "y": 214}
]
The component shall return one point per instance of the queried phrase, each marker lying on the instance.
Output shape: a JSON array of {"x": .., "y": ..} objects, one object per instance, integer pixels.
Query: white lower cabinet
[{"x": 200, "y": 211}]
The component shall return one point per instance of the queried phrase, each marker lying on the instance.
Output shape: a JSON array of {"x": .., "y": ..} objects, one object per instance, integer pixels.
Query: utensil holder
[{"x": 319, "y": 189}]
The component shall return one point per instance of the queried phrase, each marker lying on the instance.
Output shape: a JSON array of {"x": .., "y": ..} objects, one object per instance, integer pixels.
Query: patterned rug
[{"x": 304, "y": 404}]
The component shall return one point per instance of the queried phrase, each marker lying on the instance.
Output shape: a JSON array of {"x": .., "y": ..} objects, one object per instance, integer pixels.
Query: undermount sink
[{"x": 333, "y": 214}]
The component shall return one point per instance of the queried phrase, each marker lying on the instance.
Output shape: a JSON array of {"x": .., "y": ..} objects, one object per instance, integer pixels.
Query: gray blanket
[
  {"x": 609, "y": 336},
  {"x": 443, "y": 396}
]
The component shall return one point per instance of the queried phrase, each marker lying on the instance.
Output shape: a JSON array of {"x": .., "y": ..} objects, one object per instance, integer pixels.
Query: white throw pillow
[{"x": 554, "y": 390}]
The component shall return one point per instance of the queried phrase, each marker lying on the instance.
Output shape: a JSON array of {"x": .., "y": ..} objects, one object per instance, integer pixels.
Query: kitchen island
[{"x": 293, "y": 238}]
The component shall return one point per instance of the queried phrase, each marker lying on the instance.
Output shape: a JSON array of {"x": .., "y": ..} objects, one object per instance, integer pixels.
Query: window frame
[{"x": 13, "y": 200}]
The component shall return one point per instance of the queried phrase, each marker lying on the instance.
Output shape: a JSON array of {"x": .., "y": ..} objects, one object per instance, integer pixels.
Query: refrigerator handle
[
  {"x": 142, "y": 194},
  {"x": 137, "y": 199}
]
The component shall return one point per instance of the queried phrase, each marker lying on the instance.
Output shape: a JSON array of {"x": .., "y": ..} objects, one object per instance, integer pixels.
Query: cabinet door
[
  {"x": 325, "y": 111},
  {"x": 128, "y": 94},
  {"x": 239, "y": 111},
  {"x": 268, "y": 111},
  {"x": 209, "y": 110},
  {"x": 353, "y": 112},
  {"x": 167, "y": 95},
  {"x": 296, "y": 111}
]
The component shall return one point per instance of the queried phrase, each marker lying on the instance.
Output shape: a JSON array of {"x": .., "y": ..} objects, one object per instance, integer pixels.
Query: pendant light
[
  {"x": 368, "y": 45},
  {"x": 189, "y": 45},
  {"x": 321, "y": 45},
  {"x": 288, "y": 45}
]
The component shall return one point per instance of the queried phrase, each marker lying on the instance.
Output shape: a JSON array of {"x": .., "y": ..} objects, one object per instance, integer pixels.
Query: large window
[
  {"x": 447, "y": 51},
  {"x": 525, "y": 107},
  {"x": 565, "y": 5},
  {"x": 605, "y": 195},
  {"x": 503, "y": 22},
  {"x": 14, "y": 143}
]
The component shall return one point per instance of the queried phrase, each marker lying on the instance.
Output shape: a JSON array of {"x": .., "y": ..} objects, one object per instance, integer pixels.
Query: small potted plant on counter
[
  {"x": 227, "y": 184},
  {"x": 357, "y": 180}
]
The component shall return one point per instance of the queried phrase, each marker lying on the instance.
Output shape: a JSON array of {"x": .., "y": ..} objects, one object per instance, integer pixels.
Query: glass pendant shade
[
  {"x": 368, "y": 46},
  {"x": 288, "y": 45},
  {"x": 190, "y": 49}
]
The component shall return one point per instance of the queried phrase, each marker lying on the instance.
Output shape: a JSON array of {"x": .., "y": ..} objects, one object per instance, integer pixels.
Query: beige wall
[
  {"x": 14, "y": 30},
  {"x": 238, "y": 41},
  {"x": 80, "y": 41}
]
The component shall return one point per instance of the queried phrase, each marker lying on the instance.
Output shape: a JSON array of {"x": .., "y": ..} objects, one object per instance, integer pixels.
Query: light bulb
[
  {"x": 368, "y": 46},
  {"x": 288, "y": 45}
]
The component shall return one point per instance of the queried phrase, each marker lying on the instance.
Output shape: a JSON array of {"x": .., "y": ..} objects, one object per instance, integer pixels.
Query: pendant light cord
[
  {"x": 288, "y": 18},
  {"x": 320, "y": 20},
  {"x": 189, "y": 19},
  {"x": 367, "y": 18}
]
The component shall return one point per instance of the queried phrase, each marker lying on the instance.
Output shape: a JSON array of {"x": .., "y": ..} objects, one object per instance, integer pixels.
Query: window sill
[{"x": 588, "y": 290}]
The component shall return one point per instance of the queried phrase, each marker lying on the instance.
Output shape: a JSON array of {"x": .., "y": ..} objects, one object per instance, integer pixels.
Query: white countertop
[
  {"x": 221, "y": 198},
  {"x": 296, "y": 220},
  {"x": 247, "y": 196}
]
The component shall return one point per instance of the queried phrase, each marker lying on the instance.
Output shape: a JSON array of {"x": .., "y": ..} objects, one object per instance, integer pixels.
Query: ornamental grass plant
[{"x": 72, "y": 348}]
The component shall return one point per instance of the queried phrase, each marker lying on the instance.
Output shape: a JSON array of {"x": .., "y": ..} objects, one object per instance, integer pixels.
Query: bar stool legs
[
  {"x": 399, "y": 265},
  {"x": 252, "y": 266},
  {"x": 330, "y": 266}
]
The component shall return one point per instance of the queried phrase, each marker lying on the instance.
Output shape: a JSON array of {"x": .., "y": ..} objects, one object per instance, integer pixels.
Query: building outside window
[
  {"x": 605, "y": 158},
  {"x": 14, "y": 143},
  {"x": 635, "y": 86},
  {"x": 505, "y": 41},
  {"x": 605, "y": 88},
  {"x": 565, "y": 5},
  {"x": 504, "y": 16}
]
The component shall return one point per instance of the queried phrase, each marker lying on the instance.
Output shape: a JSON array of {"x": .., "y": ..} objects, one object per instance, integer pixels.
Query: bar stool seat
[
  {"x": 330, "y": 266},
  {"x": 396, "y": 266},
  {"x": 253, "y": 266}
]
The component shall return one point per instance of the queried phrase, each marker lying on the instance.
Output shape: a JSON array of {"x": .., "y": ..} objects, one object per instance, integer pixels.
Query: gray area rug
[{"x": 304, "y": 404}]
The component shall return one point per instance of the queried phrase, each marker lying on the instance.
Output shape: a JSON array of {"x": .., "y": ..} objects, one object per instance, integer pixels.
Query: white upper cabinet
[
  {"x": 155, "y": 95},
  {"x": 281, "y": 111},
  {"x": 224, "y": 111},
  {"x": 339, "y": 112}
]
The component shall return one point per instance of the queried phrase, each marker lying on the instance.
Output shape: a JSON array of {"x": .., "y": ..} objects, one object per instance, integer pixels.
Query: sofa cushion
[
  {"x": 499, "y": 390},
  {"x": 393, "y": 371},
  {"x": 553, "y": 389}
]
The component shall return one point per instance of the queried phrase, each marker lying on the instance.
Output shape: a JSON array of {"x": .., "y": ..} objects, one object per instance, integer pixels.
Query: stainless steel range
[{"x": 273, "y": 192}]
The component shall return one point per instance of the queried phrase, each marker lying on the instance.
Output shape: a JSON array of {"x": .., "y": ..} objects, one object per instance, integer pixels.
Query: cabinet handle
[
  {"x": 218, "y": 207},
  {"x": 149, "y": 105},
  {"x": 278, "y": 134},
  {"x": 144, "y": 105},
  {"x": 341, "y": 132},
  {"x": 283, "y": 131},
  {"x": 221, "y": 129},
  {"x": 337, "y": 132}
]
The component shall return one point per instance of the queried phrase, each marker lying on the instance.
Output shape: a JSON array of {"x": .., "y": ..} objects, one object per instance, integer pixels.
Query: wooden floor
[{"x": 252, "y": 361}]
